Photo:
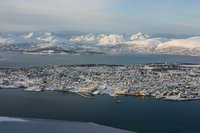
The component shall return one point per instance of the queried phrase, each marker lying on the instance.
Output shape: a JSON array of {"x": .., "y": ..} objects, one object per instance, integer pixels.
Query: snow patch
[
  {"x": 10, "y": 119},
  {"x": 29, "y": 35},
  {"x": 139, "y": 36},
  {"x": 6, "y": 41}
]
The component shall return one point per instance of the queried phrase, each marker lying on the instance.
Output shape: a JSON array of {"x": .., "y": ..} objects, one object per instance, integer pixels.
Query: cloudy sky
[{"x": 149, "y": 16}]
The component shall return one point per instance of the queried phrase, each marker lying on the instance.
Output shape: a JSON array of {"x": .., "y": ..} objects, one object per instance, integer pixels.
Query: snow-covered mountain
[
  {"x": 31, "y": 41},
  {"x": 29, "y": 35},
  {"x": 100, "y": 39},
  {"x": 190, "y": 46},
  {"x": 110, "y": 39},
  {"x": 5, "y": 41},
  {"x": 99, "y": 43},
  {"x": 139, "y": 36}
]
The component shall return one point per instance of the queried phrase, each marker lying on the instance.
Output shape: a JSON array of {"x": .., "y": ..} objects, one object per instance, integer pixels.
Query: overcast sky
[{"x": 149, "y": 16}]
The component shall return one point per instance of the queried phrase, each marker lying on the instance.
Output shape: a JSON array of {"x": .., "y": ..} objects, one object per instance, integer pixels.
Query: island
[{"x": 176, "y": 82}]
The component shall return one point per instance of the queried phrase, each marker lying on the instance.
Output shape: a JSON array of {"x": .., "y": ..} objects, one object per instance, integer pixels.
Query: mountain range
[{"x": 48, "y": 43}]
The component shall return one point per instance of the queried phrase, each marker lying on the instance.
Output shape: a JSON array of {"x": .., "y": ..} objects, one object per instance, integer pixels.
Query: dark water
[
  {"x": 144, "y": 115},
  {"x": 14, "y": 59}
]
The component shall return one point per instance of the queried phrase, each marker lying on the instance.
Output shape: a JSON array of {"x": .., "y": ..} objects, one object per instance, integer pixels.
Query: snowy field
[{"x": 21, "y": 125}]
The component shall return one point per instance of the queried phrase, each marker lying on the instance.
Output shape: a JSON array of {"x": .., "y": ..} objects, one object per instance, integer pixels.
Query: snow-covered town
[{"x": 162, "y": 81}]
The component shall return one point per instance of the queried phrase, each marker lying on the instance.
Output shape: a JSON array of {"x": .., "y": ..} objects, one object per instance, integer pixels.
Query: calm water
[
  {"x": 144, "y": 115},
  {"x": 14, "y": 59}
]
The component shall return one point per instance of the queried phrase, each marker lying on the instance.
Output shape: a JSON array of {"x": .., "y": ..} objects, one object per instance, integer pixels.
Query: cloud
[
  {"x": 153, "y": 16},
  {"x": 54, "y": 13}
]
